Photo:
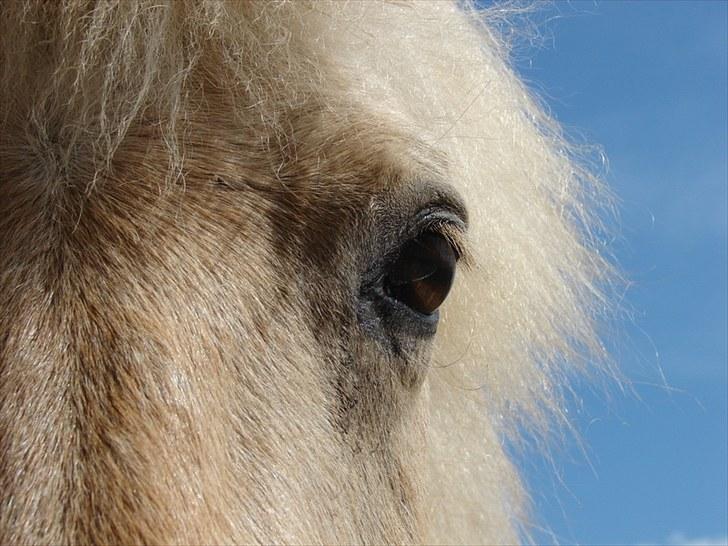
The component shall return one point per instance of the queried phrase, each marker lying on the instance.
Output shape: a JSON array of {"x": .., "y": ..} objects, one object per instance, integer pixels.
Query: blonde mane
[{"x": 123, "y": 125}]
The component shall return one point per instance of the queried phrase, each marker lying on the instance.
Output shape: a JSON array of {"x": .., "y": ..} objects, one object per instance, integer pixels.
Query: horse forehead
[{"x": 325, "y": 156}]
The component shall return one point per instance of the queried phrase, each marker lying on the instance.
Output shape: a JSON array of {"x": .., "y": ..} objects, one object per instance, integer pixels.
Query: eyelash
[{"x": 442, "y": 222}]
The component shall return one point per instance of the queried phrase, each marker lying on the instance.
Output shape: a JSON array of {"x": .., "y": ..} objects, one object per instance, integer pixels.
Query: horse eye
[{"x": 422, "y": 275}]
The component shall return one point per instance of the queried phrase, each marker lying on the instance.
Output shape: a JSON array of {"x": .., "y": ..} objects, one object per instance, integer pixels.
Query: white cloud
[{"x": 680, "y": 539}]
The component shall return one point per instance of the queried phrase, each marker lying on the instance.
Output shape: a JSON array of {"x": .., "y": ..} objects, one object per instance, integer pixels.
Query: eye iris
[{"x": 422, "y": 275}]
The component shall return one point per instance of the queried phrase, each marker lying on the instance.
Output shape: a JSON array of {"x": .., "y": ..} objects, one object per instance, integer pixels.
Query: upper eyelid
[
  {"x": 457, "y": 237},
  {"x": 447, "y": 221}
]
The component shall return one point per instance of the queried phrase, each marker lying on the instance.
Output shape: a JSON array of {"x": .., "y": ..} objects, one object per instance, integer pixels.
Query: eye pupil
[{"x": 422, "y": 275}]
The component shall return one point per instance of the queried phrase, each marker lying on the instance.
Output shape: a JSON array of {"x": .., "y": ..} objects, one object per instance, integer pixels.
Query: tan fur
[{"x": 190, "y": 192}]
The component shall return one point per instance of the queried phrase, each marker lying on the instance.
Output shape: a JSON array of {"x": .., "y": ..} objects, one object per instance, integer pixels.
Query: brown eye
[{"x": 422, "y": 275}]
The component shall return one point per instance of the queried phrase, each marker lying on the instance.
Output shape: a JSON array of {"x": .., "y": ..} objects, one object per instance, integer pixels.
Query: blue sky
[{"x": 647, "y": 81}]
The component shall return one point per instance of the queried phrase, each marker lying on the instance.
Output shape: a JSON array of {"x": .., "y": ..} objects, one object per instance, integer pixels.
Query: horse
[{"x": 281, "y": 272}]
